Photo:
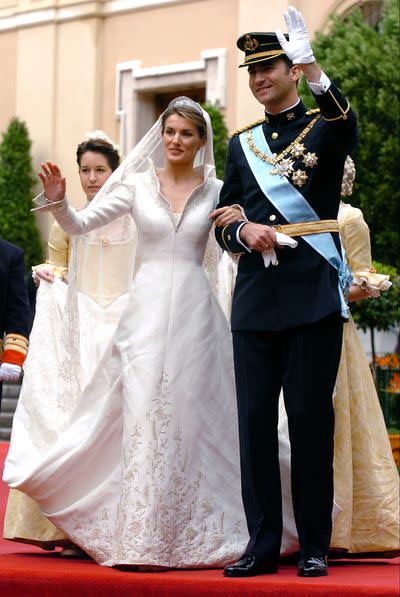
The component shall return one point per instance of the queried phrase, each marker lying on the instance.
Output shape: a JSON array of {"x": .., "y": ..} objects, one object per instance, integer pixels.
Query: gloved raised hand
[
  {"x": 10, "y": 372},
  {"x": 298, "y": 48}
]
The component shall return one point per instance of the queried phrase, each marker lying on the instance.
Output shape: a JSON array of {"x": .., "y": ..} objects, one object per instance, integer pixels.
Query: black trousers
[{"x": 304, "y": 361}]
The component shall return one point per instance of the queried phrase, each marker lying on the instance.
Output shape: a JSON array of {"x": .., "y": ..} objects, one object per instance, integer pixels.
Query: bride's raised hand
[
  {"x": 54, "y": 185},
  {"x": 227, "y": 215}
]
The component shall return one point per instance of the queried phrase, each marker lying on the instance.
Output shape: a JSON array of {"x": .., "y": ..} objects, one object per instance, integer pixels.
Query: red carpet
[{"x": 27, "y": 571}]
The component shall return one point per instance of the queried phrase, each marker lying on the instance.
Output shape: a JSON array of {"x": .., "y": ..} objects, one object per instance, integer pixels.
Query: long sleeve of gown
[
  {"x": 58, "y": 252},
  {"x": 111, "y": 207},
  {"x": 354, "y": 232},
  {"x": 355, "y": 235},
  {"x": 58, "y": 246}
]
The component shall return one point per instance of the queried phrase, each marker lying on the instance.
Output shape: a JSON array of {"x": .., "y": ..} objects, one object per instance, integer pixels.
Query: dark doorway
[{"x": 161, "y": 100}]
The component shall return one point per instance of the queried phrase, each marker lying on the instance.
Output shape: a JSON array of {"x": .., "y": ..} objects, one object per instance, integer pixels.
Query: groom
[{"x": 288, "y": 304}]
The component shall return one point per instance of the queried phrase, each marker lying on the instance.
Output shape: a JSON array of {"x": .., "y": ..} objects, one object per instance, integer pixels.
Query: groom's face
[{"x": 271, "y": 83}]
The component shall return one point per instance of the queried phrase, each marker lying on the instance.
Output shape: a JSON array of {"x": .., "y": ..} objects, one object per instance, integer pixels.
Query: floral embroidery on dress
[{"x": 165, "y": 519}]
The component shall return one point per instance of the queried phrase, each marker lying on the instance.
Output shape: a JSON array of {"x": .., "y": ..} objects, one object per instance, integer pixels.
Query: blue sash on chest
[{"x": 295, "y": 208}]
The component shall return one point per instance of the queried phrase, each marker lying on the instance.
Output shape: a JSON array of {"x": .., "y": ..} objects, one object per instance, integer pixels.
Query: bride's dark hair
[{"x": 195, "y": 116}]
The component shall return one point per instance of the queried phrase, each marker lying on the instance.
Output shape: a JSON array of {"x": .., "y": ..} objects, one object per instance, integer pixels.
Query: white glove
[
  {"x": 10, "y": 372},
  {"x": 283, "y": 240},
  {"x": 298, "y": 48}
]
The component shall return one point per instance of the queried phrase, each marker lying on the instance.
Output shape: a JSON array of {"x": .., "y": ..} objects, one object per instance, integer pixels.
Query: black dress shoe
[
  {"x": 250, "y": 566},
  {"x": 314, "y": 566}
]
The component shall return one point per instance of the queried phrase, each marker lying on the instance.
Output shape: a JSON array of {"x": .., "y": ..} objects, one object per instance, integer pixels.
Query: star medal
[
  {"x": 310, "y": 159},
  {"x": 299, "y": 177},
  {"x": 298, "y": 150}
]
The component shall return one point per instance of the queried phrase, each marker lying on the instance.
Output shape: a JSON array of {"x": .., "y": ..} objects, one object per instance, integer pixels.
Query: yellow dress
[{"x": 366, "y": 478}]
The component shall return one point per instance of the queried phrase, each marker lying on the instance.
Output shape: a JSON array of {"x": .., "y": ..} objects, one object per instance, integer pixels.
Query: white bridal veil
[{"x": 121, "y": 232}]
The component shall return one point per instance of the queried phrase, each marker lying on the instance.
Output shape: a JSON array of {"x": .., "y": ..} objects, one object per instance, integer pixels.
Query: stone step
[
  {"x": 8, "y": 405},
  {"x": 11, "y": 390},
  {"x": 5, "y": 434},
  {"x": 6, "y": 419}
]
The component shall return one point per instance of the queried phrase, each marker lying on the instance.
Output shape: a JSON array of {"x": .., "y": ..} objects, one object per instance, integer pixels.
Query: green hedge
[
  {"x": 220, "y": 138},
  {"x": 17, "y": 223}
]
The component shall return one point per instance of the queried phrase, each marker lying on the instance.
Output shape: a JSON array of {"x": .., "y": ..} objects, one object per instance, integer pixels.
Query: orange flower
[
  {"x": 394, "y": 383},
  {"x": 388, "y": 361}
]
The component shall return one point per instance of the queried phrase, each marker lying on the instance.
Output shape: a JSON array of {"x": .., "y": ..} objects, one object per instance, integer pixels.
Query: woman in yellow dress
[{"x": 366, "y": 478}]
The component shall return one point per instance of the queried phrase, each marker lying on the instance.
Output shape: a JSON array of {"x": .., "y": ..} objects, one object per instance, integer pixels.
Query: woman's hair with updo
[
  {"x": 99, "y": 145},
  {"x": 195, "y": 116},
  {"x": 349, "y": 174}
]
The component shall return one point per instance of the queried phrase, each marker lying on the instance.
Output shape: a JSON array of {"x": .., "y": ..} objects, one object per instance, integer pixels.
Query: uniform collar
[{"x": 287, "y": 116}]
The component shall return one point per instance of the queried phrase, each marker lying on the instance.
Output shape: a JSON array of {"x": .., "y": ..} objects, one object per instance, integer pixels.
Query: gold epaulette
[
  {"x": 247, "y": 127},
  {"x": 313, "y": 111}
]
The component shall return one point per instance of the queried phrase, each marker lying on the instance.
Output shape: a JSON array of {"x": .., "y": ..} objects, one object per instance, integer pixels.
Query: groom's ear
[{"x": 295, "y": 73}]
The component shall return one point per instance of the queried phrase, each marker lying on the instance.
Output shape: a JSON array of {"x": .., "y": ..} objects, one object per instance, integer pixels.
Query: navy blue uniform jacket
[
  {"x": 14, "y": 310},
  {"x": 303, "y": 287}
]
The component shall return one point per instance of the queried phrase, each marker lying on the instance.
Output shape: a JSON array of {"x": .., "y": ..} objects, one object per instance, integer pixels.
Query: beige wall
[
  {"x": 35, "y": 92},
  {"x": 167, "y": 35},
  {"x": 8, "y": 67},
  {"x": 57, "y": 93},
  {"x": 77, "y": 96}
]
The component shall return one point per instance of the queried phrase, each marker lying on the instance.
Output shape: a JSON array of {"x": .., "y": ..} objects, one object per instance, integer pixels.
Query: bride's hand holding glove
[{"x": 54, "y": 185}]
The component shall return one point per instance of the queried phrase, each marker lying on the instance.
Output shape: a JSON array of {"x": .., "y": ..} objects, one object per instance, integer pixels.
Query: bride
[{"x": 147, "y": 470}]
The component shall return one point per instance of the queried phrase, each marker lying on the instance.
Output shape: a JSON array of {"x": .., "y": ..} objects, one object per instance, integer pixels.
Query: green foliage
[
  {"x": 381, "y": 313},
  {"x": 220, "y": 138},
  {"x": 364, "y": 63},
  {"x": 17, "y": 223}
]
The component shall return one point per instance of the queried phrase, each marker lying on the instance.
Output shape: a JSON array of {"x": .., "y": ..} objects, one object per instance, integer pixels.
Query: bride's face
[{"x": 181, "y": 140}]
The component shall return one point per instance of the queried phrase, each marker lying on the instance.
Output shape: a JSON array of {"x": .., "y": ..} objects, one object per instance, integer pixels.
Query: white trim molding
[
  {"x": 11, "y": 17},
  {"x": 135, "y": 88}
]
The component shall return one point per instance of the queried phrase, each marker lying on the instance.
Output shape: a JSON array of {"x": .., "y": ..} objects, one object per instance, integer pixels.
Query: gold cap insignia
[{"x": 251, "y": 43}]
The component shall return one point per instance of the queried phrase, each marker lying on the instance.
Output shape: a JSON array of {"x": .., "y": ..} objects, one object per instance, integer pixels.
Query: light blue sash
[{"x": 295, "y": 208}]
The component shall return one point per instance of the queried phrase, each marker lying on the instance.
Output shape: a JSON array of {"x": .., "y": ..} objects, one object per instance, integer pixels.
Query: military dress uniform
[
  {"x": 286, "y": 320},
  {"x": 14, "y": 309}
]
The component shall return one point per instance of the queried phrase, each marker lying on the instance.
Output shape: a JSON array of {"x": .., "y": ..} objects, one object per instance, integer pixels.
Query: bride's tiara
[{"x": 185, "y": 102}]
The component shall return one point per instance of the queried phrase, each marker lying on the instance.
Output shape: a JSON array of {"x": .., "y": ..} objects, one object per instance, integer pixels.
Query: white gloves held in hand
[
  {"x": 298, "y": 48},
  {"x": 283, "y": 240},
  {"x": 10, "y": 372}
]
